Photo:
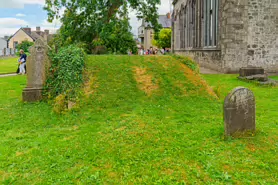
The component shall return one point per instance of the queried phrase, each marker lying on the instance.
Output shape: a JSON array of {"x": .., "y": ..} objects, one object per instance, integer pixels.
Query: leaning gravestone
[
  {"x": 36, "y": 67},
  {"x": 239, "y": 112}
]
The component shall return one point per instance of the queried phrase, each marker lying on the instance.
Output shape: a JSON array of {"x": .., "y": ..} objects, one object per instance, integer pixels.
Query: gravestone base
[
  {"x": 257, "y": 75},
  {"x": 32, "y": 94},
  {"x": 241, "y": 134},
  {"x": 249, "y": 71}
]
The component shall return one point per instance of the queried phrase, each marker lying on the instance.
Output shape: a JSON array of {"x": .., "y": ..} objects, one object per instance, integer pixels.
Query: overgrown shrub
[
  {"x": 66, "y": 74},
  {"x": 24, "y": 45}
]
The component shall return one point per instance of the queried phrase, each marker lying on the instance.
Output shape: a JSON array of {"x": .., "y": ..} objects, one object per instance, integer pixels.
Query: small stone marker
[
  {"x": 239, "y": 112},
  {"x": 37, "y": 65}
]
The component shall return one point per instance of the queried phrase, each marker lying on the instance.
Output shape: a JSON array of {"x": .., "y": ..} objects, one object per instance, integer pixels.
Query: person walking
[{"x": 22, "y": 62}]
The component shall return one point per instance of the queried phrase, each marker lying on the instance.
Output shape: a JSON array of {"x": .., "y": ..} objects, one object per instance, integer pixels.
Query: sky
[{"x": 15, "y": 14}]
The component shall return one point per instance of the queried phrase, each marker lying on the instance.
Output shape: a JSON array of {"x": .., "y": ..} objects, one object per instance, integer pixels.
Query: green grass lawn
[
  {"x": 143, "y": 120},
  {"x": 8, "y": 65}
]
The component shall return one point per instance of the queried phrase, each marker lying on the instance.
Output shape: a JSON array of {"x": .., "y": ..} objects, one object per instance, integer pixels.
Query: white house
[{"x": 3, "y": 43}]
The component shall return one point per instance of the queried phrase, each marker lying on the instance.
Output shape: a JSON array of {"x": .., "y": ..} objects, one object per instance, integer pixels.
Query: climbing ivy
[{"x": 66, "y": 72}]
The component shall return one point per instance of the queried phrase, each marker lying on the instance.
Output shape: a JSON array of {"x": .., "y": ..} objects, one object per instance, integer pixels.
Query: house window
[
  {"x": 15, "y": 44},
  {"x": 211, "y": 22}
]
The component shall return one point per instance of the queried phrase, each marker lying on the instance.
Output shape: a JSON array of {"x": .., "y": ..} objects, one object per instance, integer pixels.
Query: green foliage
[
  {"x": 107, "y": 21},
  {"x": 25, "y": 45},
  {"x": 164, "y": 39},
  {"x": 117, "y": 38},
  {"x": 66, "y": 72},
  {"x": 188, "y": 62}
]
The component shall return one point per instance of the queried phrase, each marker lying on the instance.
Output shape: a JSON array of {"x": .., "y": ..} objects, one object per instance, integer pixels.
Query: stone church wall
[
  {"x": 263, "y": 34},
  {"x": 248, "y": 36},
  {"x": 234, "y": 31}
]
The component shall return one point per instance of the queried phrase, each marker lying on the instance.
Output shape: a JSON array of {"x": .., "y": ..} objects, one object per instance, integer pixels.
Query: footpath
[
  {"x": 7, "y": 75},
  {"x": 208, "y": 71}
]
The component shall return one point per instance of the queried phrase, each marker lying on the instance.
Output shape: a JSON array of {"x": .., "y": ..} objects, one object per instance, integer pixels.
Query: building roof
[
  {"x": 35, "y": 35},
  {"x": 162, "y": 19},
  {"x": 24, "y": 32},
  {"x": 3, "y": 39}
]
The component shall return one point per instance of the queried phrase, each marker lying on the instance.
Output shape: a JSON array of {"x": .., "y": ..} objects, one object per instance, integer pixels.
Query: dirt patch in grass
[
  {"x": 90, "y": 85},
  {"x": 181, "y": 86},
  {"x": 145, "y": 81},
  {"x": 4, "y": 175},
  {"x": 197, "y": 81}
]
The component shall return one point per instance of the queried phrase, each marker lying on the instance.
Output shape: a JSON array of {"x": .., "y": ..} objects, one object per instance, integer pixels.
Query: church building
[{"x": 226, "y": 35}]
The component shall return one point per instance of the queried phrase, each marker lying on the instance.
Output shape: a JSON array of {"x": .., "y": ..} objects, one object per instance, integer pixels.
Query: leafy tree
[
  {"x": 164, "y": 39},
  {"x": 88, "y": 21},
  {"x": 25, "y": 45}
]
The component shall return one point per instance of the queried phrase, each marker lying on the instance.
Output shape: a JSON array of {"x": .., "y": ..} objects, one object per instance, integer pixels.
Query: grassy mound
[{"x": 143, "y": 120}]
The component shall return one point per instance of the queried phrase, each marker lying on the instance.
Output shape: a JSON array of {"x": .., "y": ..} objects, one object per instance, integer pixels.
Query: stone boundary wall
[{"x": 7, "y": 52}]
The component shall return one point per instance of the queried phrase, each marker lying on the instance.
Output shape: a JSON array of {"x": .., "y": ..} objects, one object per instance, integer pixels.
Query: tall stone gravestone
[
  {"x": 36, "y": 66},
  {"x": 239, "y": 112}
]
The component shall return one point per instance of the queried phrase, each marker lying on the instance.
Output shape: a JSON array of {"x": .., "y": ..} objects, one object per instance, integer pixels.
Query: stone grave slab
[{"x": 249, "y": 71}]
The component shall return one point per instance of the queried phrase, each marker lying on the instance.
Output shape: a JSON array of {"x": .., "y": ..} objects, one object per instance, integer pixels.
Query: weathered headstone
[
  {"x": 239, "y": 112},
  {"x": 37, "y": 65}
]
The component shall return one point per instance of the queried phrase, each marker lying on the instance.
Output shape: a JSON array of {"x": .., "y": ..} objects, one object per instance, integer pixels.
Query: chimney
[
  {"x": 168, "y": 16},
  {"x": 27, "y": 30},
  {"x": 46, "y": 32},
  {"x": 38, "y": 29}
]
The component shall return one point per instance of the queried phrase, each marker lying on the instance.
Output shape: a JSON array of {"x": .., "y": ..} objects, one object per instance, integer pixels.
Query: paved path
[
  {"x": 208, "y": 71},
  {"x": 6, "y": 75}
]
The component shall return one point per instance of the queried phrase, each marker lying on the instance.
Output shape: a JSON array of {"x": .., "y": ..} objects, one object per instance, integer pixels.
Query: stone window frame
[{"x": 211, "y": 20}]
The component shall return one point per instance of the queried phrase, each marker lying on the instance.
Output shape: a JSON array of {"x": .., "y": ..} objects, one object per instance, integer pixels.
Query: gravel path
[{"x": 208, "y": 71}]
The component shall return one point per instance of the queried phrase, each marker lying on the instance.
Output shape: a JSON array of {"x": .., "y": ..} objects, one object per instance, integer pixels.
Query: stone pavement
[
  {"x": 208, "y": 71},
  {"x": 7, "y": 75}
]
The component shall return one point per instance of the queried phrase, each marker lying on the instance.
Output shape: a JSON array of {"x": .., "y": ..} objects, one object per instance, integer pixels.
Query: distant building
[
  {"x": 3, "y": 43},
  {"x": 226, "y": 35},
  {"x": 146, "y": 33},
  {"x": 24, "y": 34}
]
